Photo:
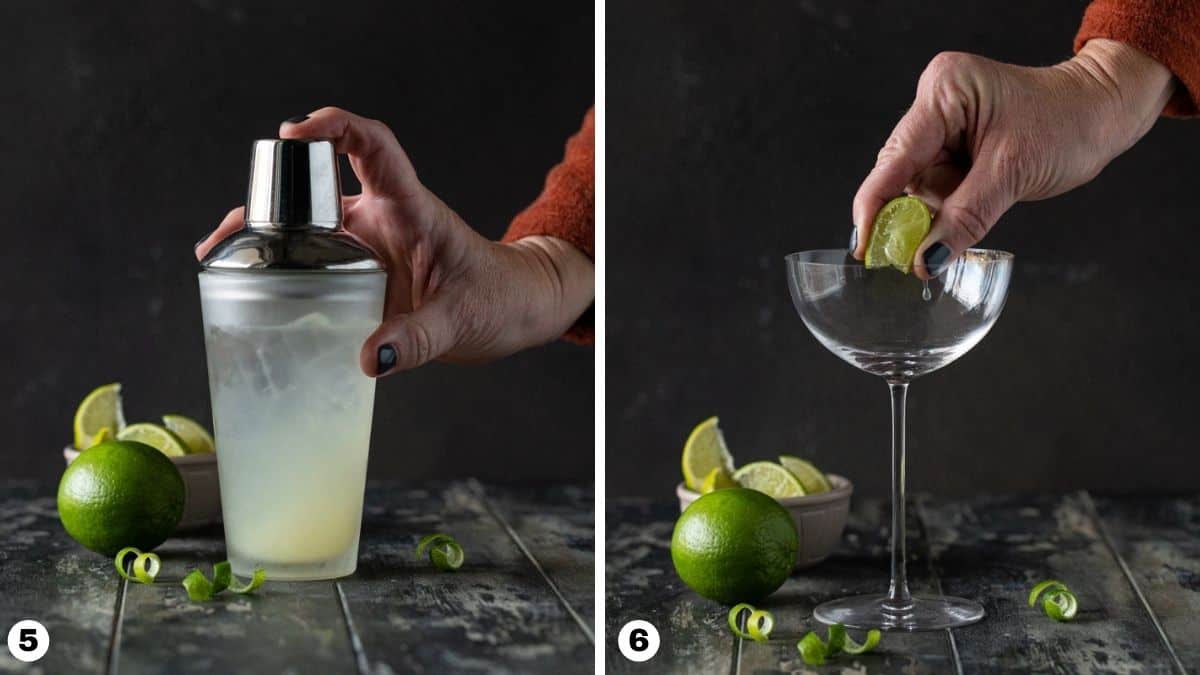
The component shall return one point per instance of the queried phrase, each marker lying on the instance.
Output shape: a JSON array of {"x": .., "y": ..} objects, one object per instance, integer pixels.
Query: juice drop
[{"x": 925, "y": 294}]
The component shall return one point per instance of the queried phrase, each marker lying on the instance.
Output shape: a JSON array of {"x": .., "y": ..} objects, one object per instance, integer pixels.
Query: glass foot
[{"x": 923, "y": 613}]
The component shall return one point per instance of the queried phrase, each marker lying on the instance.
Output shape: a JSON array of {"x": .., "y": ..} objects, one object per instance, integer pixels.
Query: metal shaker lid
[{"x": 293, "y": 214}]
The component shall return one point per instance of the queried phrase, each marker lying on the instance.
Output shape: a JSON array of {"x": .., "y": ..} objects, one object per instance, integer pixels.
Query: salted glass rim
[{"x": 836, "y": 257}]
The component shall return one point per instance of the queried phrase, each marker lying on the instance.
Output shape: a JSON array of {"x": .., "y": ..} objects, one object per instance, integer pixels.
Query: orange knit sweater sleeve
[
  {"x": 1167, "y": 30},
  {"x": 566, "y": 209}
]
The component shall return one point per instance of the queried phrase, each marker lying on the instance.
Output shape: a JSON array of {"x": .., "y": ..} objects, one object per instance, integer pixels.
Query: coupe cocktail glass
[{"x": 895, "y": 326}]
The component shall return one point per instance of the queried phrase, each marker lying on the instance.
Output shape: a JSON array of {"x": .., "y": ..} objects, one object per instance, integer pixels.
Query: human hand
[
  {"x": 452, "y": 295},
  {"x": 982, "y": 135}
]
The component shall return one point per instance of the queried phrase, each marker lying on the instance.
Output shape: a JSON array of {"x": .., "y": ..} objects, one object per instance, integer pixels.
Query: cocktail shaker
[{"x": 287, "y": 303}]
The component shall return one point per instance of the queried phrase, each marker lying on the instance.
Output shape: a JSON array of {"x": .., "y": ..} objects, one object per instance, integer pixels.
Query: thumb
[
  {"x": 232, "y": 222},
  {"x": 406, "y": 341},
  {"x": 965, "y": 217}
]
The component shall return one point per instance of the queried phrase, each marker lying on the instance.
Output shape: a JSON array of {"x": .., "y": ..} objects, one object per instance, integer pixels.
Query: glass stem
[{"x": 898, "y": 598}]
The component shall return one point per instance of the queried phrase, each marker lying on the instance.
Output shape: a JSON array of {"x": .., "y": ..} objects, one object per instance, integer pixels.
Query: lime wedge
[
  {"x": 194, "y": 435},
  {"x": 166, "y": 441},
  {"x": 898, "y": 230},
  {"x": 99, "y": 409},
  {"x": 704, "y": 451},
  {"x": 105, "y": 434},
  {"x": 717, "y": 479},
  {"x": 769, "y": 478},
  {"x": 809, "y": 476}
]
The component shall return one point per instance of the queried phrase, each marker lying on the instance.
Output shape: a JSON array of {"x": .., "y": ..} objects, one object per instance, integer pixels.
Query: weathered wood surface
[
  {"x": 496, "y": 614},
  {"x": 163, "y": 631},
  {"x": 559, "y": 531},
  {"x": 519, "y": 604},
  {"x": 1159, "y": 541},
  {"x": 641, "y": 583},
  {"x": 44, "y": 575},
  {"x": 995, "y": 550},
  {"x": 990, "y": 548}
]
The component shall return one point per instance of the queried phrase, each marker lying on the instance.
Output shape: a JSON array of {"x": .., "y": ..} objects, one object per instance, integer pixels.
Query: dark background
[
  {"x": 125, "y": 136},
  {"x": 739, "y": 132}
]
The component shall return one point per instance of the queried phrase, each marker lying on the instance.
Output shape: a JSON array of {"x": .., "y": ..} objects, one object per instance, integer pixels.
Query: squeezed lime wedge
[{"x": 899, "y": 228}]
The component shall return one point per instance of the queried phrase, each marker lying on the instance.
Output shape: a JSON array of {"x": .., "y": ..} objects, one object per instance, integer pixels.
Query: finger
[
  {"x": 914, "y": 145},
  {"x": 409, "y": 340},
  {"x": 965, "y": 217},
  {"x": 232, "y": 222},
  {"x": 936, "y": 183},
  {"x": 375, "y": 155},
  {"x": 365, "y": 227}
]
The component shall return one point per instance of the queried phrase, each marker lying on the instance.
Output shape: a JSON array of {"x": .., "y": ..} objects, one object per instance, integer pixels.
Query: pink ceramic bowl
[
  {"x": 819, "y": 518},
  {"x": 203, "y": 505}
]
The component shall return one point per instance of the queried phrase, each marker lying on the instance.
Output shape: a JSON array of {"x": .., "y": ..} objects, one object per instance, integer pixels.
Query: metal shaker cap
[{"x": 293, "y": 214}]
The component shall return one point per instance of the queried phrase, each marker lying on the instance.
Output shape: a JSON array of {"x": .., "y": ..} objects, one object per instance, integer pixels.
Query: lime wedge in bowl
[
  {"x": 899, "y": 228},
  {"x": 716, "y": 479},
  {"x": 771, "y": 479},
  {"x": 810, "y": 477},
  {"x": 194, "y": 435},
  {"x": 99, "y": 409},
  {"x": 166, "y": 441},
  {"x": 704, "y": 451}
]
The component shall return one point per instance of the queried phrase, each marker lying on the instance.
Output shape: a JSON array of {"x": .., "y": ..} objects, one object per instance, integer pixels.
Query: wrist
[
  {"x": 559, "y": 286},
  {"x": 1135, "y": 86}
]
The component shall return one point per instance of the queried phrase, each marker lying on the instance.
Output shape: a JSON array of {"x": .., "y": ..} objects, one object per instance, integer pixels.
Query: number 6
[{"x": 637, "y": 639}]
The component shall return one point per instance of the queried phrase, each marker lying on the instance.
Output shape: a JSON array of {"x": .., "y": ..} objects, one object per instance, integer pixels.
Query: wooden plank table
[
  {"x": 1134, "y": 564},
  {"x": 522, "y": 602}
]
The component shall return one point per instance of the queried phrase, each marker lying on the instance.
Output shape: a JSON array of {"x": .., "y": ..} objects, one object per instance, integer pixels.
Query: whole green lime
[
  {"x": 734, "y": 545},
  {"x": 118, "y": 494}
]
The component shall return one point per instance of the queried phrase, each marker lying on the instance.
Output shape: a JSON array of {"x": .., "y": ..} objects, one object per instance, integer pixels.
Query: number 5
[{"x": 27, "y": 639}]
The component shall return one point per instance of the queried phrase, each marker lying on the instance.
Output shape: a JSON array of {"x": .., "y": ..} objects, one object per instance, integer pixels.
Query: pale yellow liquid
[{"x": 292, "y": 412}]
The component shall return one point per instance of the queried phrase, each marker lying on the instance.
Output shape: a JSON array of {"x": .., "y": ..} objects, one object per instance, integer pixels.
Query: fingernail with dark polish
[
  {"x": 935, "y": 258},
  {"x": 853, "y": 239},
  {"x": 297, "y": 119},
  {"x": 386, "y": 359}
]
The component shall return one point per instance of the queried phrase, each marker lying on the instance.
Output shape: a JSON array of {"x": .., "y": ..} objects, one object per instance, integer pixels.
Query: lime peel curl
[
  {"x": 759, "y": 623},
  {"x": 816, "y": 651},
  {"x": 812, "y": 649},
  {"x": 200, "y": 589},
  {"x": 443, "y": 551},
  {"x": 1058, "y": 602},
  {"x": 259, "y": 577},
  {"x": 145, "y": 565}
]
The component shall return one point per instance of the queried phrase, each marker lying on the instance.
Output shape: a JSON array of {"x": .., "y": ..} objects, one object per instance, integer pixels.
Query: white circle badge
[
  {"x": 28, "y": 640},
  {"x": 638, "y": 640}
]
